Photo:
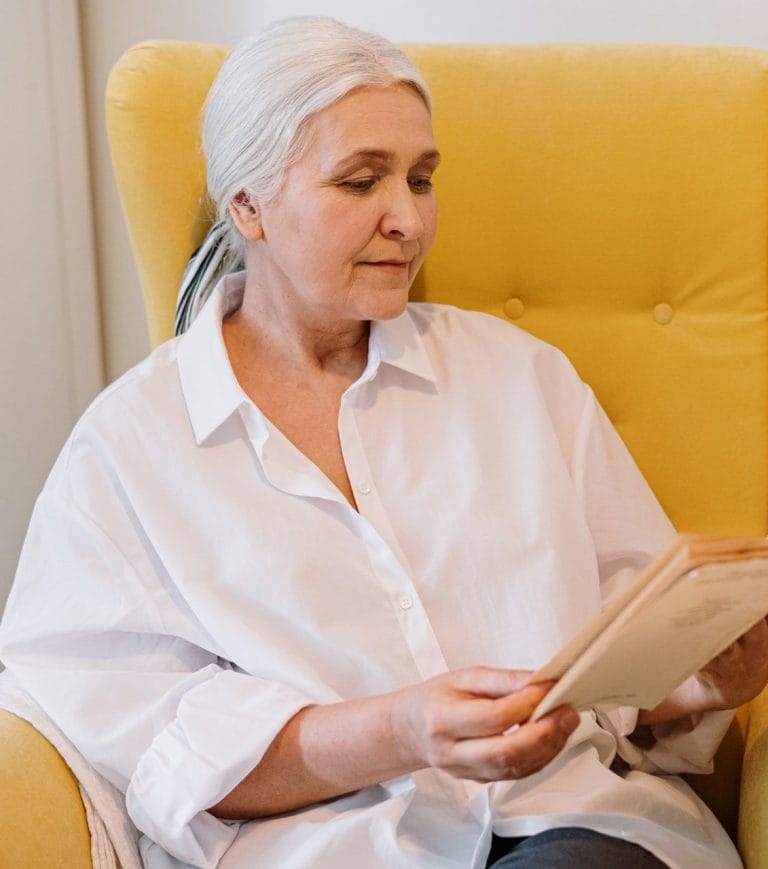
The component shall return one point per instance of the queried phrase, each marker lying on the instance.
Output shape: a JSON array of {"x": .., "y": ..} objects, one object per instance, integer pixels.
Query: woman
[{"x": 274, "y": 585}]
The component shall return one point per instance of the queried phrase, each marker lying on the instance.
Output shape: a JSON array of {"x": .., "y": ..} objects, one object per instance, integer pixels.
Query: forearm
[
  {"x": 460, "y": 722},
  {"x": 321, "y": 753}
]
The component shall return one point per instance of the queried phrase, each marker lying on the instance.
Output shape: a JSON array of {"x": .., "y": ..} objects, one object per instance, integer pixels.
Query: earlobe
[{"x": 246, "y": 216}]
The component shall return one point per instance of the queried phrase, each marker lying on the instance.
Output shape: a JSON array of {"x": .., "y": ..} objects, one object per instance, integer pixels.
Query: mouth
[{"x": 394, "y": 265}]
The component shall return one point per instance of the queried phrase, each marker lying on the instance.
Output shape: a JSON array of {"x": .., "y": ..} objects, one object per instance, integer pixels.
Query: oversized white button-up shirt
[{"x": 190, "y": 581}]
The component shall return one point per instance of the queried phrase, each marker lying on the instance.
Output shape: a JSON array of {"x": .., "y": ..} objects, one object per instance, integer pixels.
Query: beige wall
[
  {"x": 62, "y": 233},
  {"x": 50, "y": 353}
]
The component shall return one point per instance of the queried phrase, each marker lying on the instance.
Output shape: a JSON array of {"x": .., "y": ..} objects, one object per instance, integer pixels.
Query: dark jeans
[{"x": 570, "y": 848}]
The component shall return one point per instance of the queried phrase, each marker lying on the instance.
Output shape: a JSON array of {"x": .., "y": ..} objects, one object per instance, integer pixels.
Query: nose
[{"x": 402, "y": 218}]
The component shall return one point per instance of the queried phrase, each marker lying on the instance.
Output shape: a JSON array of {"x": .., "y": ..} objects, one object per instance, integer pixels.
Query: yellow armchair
[
  {"x": 613, "y": 200},
  {"x": 44, "y": 821}
]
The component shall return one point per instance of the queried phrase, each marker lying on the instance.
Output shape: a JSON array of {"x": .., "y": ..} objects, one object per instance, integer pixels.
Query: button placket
[{"x": 387, "y": 560}]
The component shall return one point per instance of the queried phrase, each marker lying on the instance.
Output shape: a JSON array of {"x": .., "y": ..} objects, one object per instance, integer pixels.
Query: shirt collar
[
  {"x": 211, "y": 391},
  {"x": 398, "y": 343}
]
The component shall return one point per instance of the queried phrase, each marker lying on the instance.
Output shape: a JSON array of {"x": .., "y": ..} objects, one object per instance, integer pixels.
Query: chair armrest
[
  {"x": 43, "y": 818},
  {"x": 753, "y": 814},
  {"x": 720, "y": 790}
]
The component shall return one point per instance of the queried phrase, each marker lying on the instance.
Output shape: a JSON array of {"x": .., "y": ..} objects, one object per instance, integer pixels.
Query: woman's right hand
[{"x": 461, "y": 722}]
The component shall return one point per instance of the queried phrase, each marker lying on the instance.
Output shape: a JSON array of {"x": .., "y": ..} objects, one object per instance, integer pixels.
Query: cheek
[
  {"x": 351, "y": 229},
  {"x": 429, "y": 219}
]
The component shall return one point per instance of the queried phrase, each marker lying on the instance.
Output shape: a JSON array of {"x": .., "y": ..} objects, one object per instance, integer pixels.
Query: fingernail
[{"x": 569, "y": 722}]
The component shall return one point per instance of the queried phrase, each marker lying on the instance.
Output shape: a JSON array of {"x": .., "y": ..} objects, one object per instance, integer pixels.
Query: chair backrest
[
  {"x": 613, "y": 200},
  {"x": 610, "y": 199}
]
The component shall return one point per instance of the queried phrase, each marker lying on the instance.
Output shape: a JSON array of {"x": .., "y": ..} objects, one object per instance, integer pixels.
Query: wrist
[{"x": 402, "y": 735}]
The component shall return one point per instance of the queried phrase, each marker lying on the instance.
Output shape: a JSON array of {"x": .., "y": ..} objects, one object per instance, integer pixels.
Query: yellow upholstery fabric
[
  {"x": 44, "y": 824},
  {"x": 600, "y": 190},
  {"x": 753, "y": 828},
  {"x": 610, "y": 199},
  {"x": 154, "y": 101}
]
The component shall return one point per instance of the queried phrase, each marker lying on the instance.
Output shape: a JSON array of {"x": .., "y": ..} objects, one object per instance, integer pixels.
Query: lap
[{"x": 571, "y": 847}]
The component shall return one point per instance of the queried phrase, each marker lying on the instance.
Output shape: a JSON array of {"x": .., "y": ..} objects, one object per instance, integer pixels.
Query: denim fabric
[{"x": 569, "y": 848}]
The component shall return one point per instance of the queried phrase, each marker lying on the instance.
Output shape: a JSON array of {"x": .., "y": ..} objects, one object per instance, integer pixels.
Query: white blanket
[{"x": 114, "y": 839}]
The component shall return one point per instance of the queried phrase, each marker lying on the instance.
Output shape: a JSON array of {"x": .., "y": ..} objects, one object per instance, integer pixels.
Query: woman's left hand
[
  {"x": 738, "y": 673},
  {"x": 735, "y": 676}
]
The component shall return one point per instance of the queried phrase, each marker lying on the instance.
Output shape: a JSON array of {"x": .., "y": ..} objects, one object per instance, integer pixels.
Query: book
[{"x": 694, "y": 600}]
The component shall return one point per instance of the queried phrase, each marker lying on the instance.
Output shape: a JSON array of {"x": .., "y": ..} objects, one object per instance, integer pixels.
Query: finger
[
  {"x": 758, "y": 633},
  {"x": 755, "y": 637},
  {"x": 490, "y": 681},
  {"x": 753, "y": 644},
  {"x": 469, "y": 716},
  {"x": 520, "y": 753}
]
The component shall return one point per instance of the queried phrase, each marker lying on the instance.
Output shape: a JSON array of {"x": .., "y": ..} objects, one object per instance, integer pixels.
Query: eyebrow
[{"x": 378, "y": 156}]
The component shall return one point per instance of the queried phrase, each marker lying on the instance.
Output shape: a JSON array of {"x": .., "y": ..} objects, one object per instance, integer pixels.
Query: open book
[{"x": 690, "y": 604}]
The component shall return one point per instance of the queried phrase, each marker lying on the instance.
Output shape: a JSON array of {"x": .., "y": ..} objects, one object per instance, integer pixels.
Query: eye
[
  {"x": 359, "y": 185},
  {"x": 420, "y": 184}
]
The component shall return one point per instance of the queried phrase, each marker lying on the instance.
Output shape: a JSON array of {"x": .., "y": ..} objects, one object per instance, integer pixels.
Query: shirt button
[
  {"x": 365, "y": 487},
  {"x": 406, "y": 603}
]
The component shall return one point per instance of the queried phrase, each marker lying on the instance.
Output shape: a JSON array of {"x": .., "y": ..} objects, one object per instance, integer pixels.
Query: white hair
[{"x": 267, "y": 89}]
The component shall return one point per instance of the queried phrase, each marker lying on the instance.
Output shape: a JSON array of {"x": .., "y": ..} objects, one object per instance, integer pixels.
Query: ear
[{"x": 247, "y": 217}]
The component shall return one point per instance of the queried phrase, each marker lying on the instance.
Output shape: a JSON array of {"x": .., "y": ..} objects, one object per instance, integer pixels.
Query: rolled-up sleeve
[{"x": 220, "y": 731}]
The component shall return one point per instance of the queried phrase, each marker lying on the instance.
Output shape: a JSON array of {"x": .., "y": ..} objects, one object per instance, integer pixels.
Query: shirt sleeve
[
  {"x": 108, "y": 649},
  {"x": 675, "y": 747},
  {"x": 629, "y": 529}
]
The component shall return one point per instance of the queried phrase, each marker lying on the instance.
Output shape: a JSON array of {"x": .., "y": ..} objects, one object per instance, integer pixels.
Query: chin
[{"x": 388, "y": 309}]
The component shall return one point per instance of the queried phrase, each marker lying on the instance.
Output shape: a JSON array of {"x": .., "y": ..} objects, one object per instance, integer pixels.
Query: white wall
[
  {"x": 50, "y": 362},
  {"x": 50, "y": 352}
]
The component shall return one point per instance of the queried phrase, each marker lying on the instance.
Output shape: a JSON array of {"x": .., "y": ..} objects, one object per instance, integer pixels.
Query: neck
[{"x": 290, "y": 339}]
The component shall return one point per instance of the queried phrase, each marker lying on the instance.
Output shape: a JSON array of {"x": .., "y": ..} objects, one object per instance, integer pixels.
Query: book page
[
  {"x": 639, "y": 658},
  {"x": 650, "y": 582}
]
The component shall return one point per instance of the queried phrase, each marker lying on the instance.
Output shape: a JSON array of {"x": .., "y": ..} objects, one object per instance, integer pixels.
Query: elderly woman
[{"x": 276, "y": 580}]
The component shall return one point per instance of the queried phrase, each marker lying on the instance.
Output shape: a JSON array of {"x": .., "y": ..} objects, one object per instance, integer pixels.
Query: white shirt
[{"x": 190, "y": 581}]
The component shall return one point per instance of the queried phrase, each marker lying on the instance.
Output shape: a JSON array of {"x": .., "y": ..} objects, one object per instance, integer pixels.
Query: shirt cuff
[
  {"x": 686, "y": 745},
  {"x": 220, "y": 733}
]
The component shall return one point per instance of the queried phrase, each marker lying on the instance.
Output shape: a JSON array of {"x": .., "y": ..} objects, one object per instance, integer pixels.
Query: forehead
[{"x": 392, "y": 119}]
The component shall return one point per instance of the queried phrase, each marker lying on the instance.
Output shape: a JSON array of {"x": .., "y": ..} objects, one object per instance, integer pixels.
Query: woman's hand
[
  {"x": 735, "y": 676},
  {"x": 460, "y": 722}
]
